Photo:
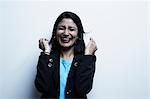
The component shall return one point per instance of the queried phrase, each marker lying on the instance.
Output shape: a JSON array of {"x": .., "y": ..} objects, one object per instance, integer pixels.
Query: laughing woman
[{"x": 66, "y": 66}]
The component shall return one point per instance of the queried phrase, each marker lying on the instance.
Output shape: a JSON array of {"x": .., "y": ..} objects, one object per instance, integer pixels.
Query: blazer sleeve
[
  {"x": 43, "y": 78},
  {"x": 85, "y": 73}
]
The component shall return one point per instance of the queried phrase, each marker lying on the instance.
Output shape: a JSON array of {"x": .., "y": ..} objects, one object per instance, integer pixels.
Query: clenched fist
[
  {"x": 44, "y": 45},
  {"x": 90, "y": 48}
]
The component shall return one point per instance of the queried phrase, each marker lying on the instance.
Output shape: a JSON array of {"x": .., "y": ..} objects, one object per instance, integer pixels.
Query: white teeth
[{"x": 64, "y": 39}]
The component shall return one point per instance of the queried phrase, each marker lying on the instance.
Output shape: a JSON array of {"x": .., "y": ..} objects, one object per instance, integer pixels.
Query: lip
[{"x": 65, "y": 39}]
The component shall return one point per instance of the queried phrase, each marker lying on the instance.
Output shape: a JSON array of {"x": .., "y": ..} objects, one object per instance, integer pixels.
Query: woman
[{"x": 66, "y": 67}]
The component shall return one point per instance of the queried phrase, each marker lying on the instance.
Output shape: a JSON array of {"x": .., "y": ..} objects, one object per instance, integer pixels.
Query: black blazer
[{"x": 79, "y": 81}]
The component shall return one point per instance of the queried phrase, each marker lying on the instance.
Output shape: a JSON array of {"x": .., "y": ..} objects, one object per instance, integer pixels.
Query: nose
[{"x": 66, "y": 32}]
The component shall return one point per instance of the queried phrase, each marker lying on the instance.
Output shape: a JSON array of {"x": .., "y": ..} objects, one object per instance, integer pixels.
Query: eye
[
  {"x": 72, "y": 29},
  {"x": 60, "y": 28}
]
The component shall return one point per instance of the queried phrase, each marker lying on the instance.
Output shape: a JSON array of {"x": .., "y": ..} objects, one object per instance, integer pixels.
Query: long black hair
[{"x": 79, "y": 46}]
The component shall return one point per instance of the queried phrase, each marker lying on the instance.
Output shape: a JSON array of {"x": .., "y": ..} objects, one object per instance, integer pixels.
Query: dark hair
[{"x": 79, "y": 46}]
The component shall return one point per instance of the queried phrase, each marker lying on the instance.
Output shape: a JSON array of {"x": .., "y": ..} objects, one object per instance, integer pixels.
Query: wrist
[
  {"x": 87, "y": 53},
  {"x": 47, "y": 53}
]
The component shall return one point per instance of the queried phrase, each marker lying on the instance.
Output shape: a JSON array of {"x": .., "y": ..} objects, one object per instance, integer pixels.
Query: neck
[{"x": 67, "y": 53}]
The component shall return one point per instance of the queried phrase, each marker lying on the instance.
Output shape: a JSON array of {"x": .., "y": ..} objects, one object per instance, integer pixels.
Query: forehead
[{"x": 67, "y": 21}]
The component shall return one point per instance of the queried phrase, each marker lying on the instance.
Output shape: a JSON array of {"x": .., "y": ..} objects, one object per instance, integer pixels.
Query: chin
[{"x": 66, "y": 45}]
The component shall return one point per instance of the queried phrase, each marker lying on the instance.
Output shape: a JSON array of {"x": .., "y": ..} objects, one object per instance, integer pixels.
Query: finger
[
  {"x": 93, "y": 43},
  {"x": 41, "y": 46},
  {"x": 40, "y": 40},
  {"x": 46, "y": 39},
  {"x": 92, "y": 39}
]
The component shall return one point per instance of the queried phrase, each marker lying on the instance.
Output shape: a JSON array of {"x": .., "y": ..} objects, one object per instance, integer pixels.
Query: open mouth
[{"x": 65, "y": 39}]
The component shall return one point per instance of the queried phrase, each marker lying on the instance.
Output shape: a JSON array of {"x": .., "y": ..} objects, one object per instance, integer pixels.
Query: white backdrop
[{"x": 120, "y": 29}]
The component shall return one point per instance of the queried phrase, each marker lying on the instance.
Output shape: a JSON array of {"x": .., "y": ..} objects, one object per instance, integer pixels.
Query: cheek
[
  {"x": 58, "y": 32},
  {"x": 74, "y": 33}
]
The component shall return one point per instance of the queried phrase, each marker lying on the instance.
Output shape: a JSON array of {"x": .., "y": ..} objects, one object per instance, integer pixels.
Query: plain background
[{"x": 121, "y": 29}]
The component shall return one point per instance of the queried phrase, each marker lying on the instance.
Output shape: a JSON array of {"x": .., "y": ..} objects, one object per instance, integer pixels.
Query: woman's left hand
[{"x": 90, "y": 48}]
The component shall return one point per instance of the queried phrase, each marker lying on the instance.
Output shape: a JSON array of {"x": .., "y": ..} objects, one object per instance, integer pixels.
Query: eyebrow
[{"x": 65, "y": 26}]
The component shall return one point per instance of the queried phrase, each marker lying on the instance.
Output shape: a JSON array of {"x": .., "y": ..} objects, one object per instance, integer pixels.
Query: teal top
[{"x": 64, "y": 70}]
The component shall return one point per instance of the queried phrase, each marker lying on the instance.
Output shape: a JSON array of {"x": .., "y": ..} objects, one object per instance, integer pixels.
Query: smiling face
[{"x": 67, "y": 33}]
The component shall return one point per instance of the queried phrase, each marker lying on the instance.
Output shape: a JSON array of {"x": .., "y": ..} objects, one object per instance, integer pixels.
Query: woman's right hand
[{"x": 44, "y": 45}]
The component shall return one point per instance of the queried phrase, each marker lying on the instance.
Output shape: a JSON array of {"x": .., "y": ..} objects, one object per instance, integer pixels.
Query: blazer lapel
[
  {"x": 56, "y": 75},
  {"x": 73, "y": 67}
]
